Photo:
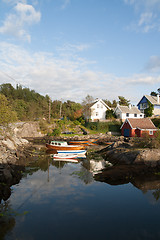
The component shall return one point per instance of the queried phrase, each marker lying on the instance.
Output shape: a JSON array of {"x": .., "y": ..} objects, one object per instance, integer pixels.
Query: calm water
[{"x": 57, "y": 200}]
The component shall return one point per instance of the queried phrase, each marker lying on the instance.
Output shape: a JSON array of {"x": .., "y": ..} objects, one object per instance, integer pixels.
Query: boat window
[{"x": 59, "y": 144}]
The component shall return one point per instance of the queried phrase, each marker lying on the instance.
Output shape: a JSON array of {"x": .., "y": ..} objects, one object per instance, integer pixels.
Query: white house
[
  {"x": 98, "y": 110},
  {"x": 123, "y": 112}
]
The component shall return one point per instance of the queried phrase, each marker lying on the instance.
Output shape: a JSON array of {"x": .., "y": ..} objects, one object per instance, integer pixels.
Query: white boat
[
  {"x": 65, "y": 160},
  {"x": 65, "y": 156},
  {"x": 72, "y": 151},
  {"x": 63, "y": 146}
]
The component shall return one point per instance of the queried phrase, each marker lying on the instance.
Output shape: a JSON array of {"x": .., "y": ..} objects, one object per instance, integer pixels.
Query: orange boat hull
[
  {"x": 83, "y": 142},
  {"x": 69, "y": 147}
]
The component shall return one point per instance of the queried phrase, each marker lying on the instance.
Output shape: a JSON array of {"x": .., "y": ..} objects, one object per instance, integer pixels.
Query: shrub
[
  {"x": 56, "y": 132},
  {"x": 43, "y": 125},
  {"x": 76, "y": 122},
  {"x": 93, "y": 127},
  {"x": 156, "y": 122},
  {"x": 110, "y": 114}
]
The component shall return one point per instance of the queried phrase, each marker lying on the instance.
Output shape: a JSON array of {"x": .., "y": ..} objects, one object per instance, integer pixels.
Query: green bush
[
  {"x": 76, "y": 122},
  {"x": 156, "y": 122},
  {"x": 43, "y": 126},
  {"x": 7, "y": 115},
  {"x": 56, "y": 132},
  {"x": 93, "y": 127},
  {"x": 110, "y": 114},
  {"x": 112, "y": 126}
]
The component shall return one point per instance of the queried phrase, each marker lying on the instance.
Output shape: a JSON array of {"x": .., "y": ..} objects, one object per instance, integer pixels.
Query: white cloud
[
  {"x": 143, "y": 79},
  {"x": 147, "y": 15},
  {"x": 65, "y": 4},
  {"x": 15, "y": 23},
  {"x": 145, "y": 18},
  {"x": 154, "y": 64},
  {"x": 73, "y": 48},
  {"x": 67, "y": 79}
]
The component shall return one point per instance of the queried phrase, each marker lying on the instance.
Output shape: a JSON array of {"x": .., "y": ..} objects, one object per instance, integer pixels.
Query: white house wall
[
  {"x": 98, "y": 111},
  {"x": 118, "y": 113},
  {"x": 156, "y": 110},
  {"x": 123, "y": 116}
]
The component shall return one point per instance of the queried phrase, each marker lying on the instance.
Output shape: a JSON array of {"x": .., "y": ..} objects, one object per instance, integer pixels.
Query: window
[
  {"x": 127, "y": 114},
  {"x": 140, "y": 115},
  {"x": 97, "y": 105},
  {"x": 150, "y": 132},
  {"x": 144, "y": 105},
  {"x": 96, "y": 113},
  {"x": 135, "y": 115}
]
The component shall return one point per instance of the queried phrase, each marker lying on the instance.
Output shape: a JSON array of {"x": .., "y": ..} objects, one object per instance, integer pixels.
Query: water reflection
[
  {"x": 7, "y": 220},
  {"x": 68, "y": 200}
]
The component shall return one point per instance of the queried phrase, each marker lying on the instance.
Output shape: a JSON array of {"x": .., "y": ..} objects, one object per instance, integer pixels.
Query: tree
[
  {"x": 7, "y": 90},
  {"x": 28, "y": 104},
  {"x": 149, "y": 111},
  {"x": 153, "y": 94},
  {"x": 107, "y": 102},
  {"x": 110, "y": 114},
  {"x": 6, "y": 113},
  {"x": 21, "y": 107},
  {"x": 123, "y": 101},
  {"x": 86, "y": 103},
  {"x": 88, "y": 100},
  {"x": 78, "y": 113}
]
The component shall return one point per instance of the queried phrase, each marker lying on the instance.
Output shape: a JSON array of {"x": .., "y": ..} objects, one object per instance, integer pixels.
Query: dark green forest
[{"x": 24, "y": 104}]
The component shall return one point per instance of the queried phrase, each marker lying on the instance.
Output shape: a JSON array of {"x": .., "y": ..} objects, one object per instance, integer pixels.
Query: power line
[{"x": 12, "y": 79}]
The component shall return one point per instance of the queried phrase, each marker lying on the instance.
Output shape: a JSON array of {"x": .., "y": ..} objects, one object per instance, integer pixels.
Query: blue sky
[{"x": 71, "y": 48}]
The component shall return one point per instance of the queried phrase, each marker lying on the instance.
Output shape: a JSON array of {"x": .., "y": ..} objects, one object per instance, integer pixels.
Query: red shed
[{"x": 139, "y": 127}]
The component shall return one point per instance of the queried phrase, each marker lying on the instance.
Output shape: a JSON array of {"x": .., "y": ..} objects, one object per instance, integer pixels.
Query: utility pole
[
  {"x": 49, "y": 112},
  {"x": 60, "y": 111}
]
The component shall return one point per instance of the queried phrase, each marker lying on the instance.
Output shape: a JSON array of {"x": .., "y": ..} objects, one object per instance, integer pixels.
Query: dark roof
[{"x": 142, "y": 123}]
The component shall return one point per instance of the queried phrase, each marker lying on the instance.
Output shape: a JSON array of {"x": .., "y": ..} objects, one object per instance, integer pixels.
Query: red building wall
[
  {"x": 127, "y": 126},
  {"x": 143, "y": 133},
  {"x": 136, "y": 132}
]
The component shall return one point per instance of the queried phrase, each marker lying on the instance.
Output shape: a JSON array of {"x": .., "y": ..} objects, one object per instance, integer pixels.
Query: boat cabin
[{"x": 59, "y": 143}]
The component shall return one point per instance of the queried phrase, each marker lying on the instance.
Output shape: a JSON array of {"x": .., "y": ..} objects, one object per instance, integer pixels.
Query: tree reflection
[
  {"x": 84, "y": 175},
  {"x": 7, "y": 220},
  {"x": 156, "y": 194},
  {"x": 40, "y": 163}
]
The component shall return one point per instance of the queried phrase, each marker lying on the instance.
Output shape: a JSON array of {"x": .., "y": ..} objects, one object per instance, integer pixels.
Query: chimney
[
  {"x": 130, "y": 106},
  {"x": 157, "y": 98}
]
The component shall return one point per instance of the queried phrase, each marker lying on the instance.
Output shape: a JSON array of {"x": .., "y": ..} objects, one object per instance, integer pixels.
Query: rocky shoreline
[
  {"x": 13, "y": 154},
  {"x": 122, "y": 152},
  {"x": 129, "y": 164}
]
